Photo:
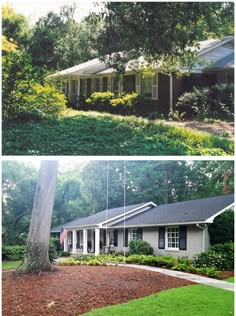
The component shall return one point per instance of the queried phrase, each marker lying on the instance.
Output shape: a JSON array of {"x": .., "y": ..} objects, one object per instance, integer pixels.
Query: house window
[
  {"x": 147, "y": 86},
  {"x": 69, "y": 238},
  {"x": 173, "y": 238},
  {"x": 96, "y": 84},
  {"x": 115, "y": 84},
  {"x": 133, "y": 234},
  {"x": 111, "y": 237}
]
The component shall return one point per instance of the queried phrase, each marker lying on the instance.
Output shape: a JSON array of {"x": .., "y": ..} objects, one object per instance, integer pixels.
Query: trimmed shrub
[
  {"x": 213, "y": 259},
  {"x": 100, "y": 101},
  {"x": 140, "y": 247},
  {"x": 13, "y": 252},
  {"x": 52, "y": 251},
  {"x": 216, "y": 101}
]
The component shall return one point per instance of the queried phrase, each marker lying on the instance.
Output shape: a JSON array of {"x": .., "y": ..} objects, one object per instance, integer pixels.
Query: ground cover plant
[
  {"x": 172, "y": 302},
  {"x": 92, "y": 133}
]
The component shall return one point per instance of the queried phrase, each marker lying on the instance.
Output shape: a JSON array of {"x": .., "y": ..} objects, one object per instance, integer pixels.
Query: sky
[{"x": 33, "y": 9}]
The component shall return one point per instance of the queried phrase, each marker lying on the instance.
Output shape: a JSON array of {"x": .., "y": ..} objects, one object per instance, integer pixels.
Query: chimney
[{"x": 226, "y": 175}]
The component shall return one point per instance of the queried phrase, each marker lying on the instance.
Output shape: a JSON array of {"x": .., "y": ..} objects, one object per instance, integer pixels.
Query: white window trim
[
  {"x": 81, "y": 238},
  {"x": 155, "y": 86},
  {"x": 166, "y": 238},
  {"x": 130, "y": 233}
]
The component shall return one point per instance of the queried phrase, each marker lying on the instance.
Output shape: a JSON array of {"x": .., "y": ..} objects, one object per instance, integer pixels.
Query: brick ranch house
[
  {"x": 216, "y": 66},
  {"x": 178, "y": 229}
]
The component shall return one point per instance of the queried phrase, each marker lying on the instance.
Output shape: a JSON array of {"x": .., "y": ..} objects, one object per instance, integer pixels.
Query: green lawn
[
  {"x": 92, "y": 133},
  {"x": 197, "y": 300},
  {"x": 231, "y": 280},
  {"x": 10, "y": 264}
]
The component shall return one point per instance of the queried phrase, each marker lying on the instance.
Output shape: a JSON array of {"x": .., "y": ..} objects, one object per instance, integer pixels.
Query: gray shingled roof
[
  {"x": 181, "y": 212},
  {"x": 224, "y": 63},
  {"x": 101, "y": 216}
]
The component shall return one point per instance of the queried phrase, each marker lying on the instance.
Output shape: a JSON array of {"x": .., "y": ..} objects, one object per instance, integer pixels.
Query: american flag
[{"x": 62, "y": 235}]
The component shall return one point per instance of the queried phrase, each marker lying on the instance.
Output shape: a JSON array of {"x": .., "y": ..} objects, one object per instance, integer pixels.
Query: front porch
[{"x": 95, "y": 241}]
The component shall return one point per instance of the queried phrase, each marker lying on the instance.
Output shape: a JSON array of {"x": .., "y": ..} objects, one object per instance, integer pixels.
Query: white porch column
[
  {"x": 97, "y": 241},
  {"x": 65, "y": 244},
  {"x": 74, "y": 241},
  {"x": 85, "y": 241},
  {"x": 171, "y": 93}
]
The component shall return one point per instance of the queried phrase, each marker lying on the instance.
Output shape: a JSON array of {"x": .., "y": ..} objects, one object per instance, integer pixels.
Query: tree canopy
[
  {"x": 159, "y": 30},
  {"x": 82, "y": 188}
]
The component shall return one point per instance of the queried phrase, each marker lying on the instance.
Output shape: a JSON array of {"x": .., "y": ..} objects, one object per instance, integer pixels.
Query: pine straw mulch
[{"x": 75, "y": 290}]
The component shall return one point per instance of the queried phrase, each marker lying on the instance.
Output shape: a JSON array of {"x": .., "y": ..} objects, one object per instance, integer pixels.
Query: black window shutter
[
  {"x": 140, "y": 234},
  {"x": 78, "y": 238},
  {"x": 104, "y": 237},
  {"x": 182, "y": 237},
  {"x": 126, "y": 237},
  {"x": 116, "y": 238},
  {"x": 161, "y": 241}
]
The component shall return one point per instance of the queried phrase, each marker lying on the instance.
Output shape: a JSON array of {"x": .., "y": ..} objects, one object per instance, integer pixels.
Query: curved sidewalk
[{"x": 187, "y": 276}]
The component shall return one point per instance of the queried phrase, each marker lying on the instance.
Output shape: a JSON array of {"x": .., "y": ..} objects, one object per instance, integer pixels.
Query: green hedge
[
  {"x": 216, "y": 102},
  {"x": 140, "y": 247},
  {"x": 13, "y": 252},
  {"x": 220, "y": 256}
]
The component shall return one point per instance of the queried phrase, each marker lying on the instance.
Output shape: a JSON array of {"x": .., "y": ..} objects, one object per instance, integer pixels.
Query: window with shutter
[
  {"x": 138, "y": 84},
  {"x": 155, "y": 87},
  {"x": 96, "y": 84},
  {"x": 92, "y": 85},
  {"x": 173, "y": 238},
  {"x": 161, "y": 241},
  {"x": 147, "y": 86},
  {"x": 100, "y": 84},
  {"x": 109, "y": 84}
]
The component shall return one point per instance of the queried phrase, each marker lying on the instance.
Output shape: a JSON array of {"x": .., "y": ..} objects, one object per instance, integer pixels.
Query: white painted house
[
  {"x": 217, "y": 66},
  {"x": 179, "y": 229}
]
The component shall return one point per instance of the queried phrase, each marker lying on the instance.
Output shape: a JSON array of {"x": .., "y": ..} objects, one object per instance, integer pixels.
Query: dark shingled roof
[
  {"x": 101, "y": 216},
  {"x": 181, "y": 212},
  {"x": 226, "y": 62}
]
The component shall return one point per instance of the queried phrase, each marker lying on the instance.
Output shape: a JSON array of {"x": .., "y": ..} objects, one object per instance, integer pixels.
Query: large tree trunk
[{"x": 36, "y": 258}]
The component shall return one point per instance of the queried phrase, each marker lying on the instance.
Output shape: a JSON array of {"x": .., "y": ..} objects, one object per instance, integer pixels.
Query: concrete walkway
[{"x": 187, "y": 276}]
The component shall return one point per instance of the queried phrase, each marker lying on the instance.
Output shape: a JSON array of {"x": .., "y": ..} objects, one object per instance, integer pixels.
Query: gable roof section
[
  {"x": 101, "y": 217},
  {"x": 193, "y": 211},
  {"x": 226, "y": 62}
]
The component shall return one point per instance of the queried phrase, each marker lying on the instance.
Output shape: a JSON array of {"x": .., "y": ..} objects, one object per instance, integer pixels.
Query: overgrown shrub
[
  {"x": 44, "y": 99},
  {"x": 222, "y": 229},
  {"x": 13, "y": 252},
  {"x": 216, "y": 101},
  {"x": 124, "y": 104},
  {"x": 140, "y": 247}
]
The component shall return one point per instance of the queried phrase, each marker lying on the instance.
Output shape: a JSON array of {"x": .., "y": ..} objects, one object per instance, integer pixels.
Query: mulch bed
[
  {"x": 75, "y": 290},
  {"x": 225, "y": 275}
]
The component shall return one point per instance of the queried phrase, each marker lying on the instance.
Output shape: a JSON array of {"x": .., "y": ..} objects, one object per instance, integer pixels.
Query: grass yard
[
  {"x": 92, "y": 133},
  {"x": 197, "y": 300},
  {"x": 231, "y": 280},
  {"x": 6, "y": 265}
]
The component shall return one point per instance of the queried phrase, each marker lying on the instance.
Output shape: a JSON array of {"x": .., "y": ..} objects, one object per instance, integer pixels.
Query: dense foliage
[
  {"x": 222, "y": 229},
  {"x": 93, "y": 133},
  {"x": 209, "y": 102},
  {"x": 220, "y": 257},
  {"x": 159, "y": 30},
  {"x": 13, "y": 252},
  {"x": 141, "y": 247},
  {"x": 123, "y": 104}
]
